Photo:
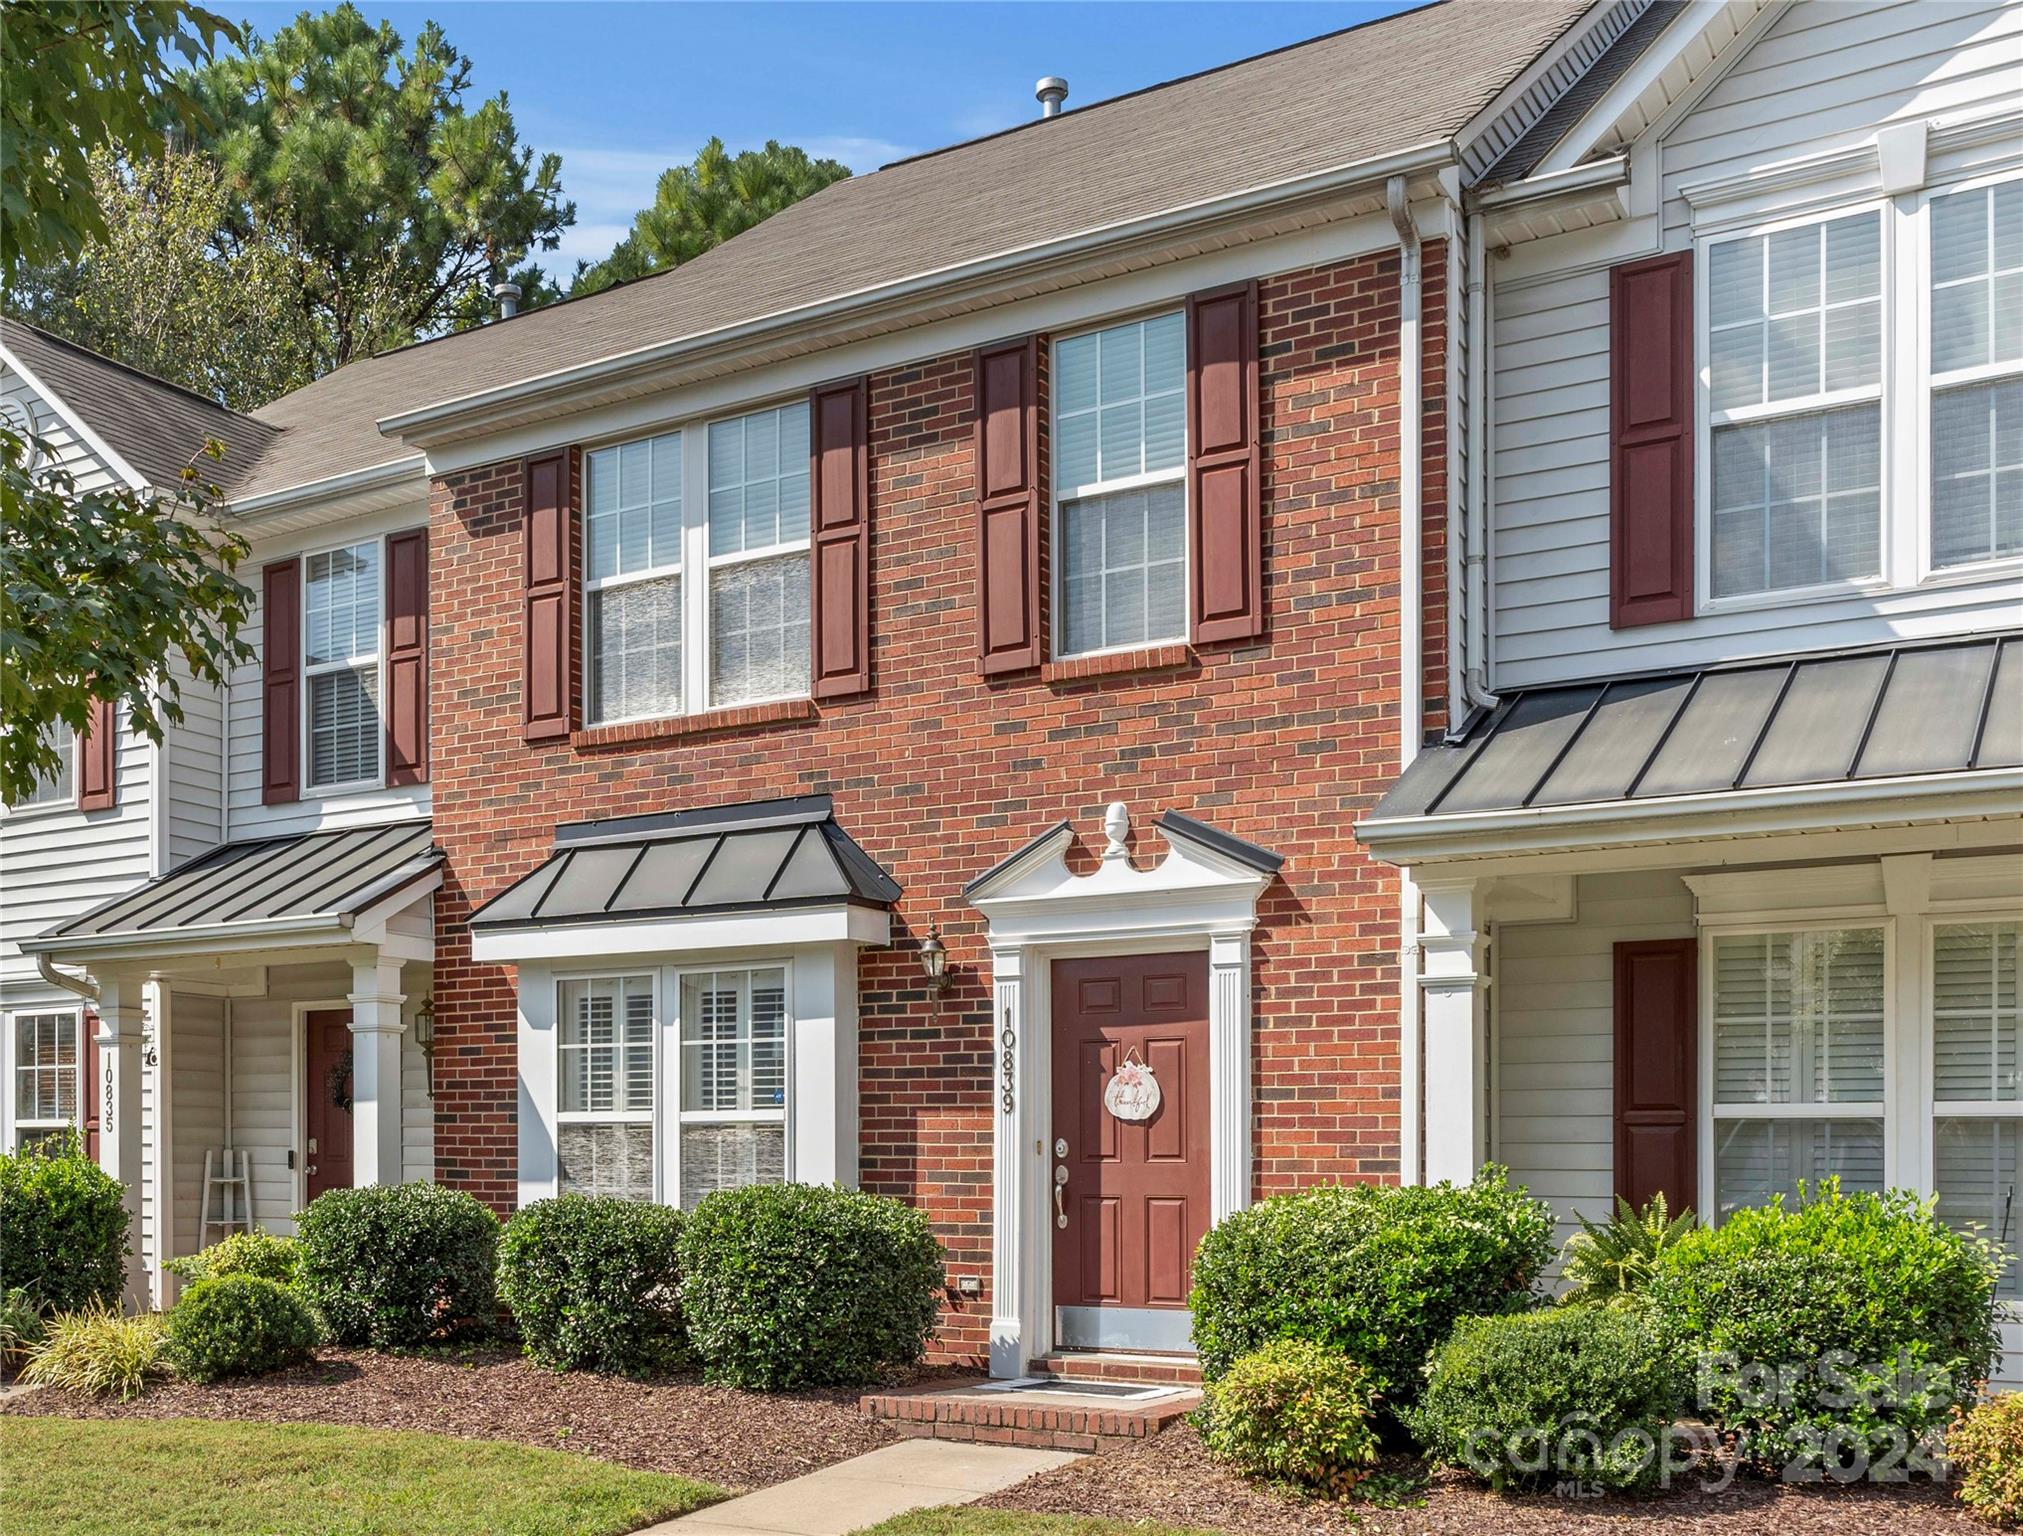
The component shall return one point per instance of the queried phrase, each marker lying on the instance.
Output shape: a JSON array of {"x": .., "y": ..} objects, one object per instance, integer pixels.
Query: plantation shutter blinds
[
  {"x": 280, "y": 683},
  {"x": 1977, "y": 1016},
  {"x": 1225, "y": 497},
  {"x": 1651, "y": 441},
  {"x": 407, "y": 658},
  {"x": 1010, "y": 571},
  {"x": 97, "y": 765},
  {"x": 840, "y": 485},
  {"x": 547, "y": 677},
  {"x": 1655, "y": 1054}
]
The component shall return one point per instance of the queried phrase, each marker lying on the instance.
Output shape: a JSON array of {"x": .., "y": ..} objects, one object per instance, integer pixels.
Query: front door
[
  {"x": 328, "y": 1095},
  {"x": 1130, "y": 1187}
]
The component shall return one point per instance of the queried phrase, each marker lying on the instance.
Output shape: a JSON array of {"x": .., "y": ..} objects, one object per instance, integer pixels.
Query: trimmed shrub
[
  {"x": 98, "y": 1351},
  {"x": 239, "y": 1325},
  {"x": 797, "y": 1285},
  {"x": 398, "y": 1264},
  {"x": 1378, "y": 1272},
  {"x": 1292, "y": 1412},
  {"x": 20, "y": 1327},
  {"x": 243, "y": 1253},
  {"x": 1528, "y": 1399},
  {"x": 1611, "y": 1262},
  {"x": 1835, "y": 1333},
  {"x": 595, "y": 1284},
  {"x": 63, "y": 1227},
  {"x": 1985, "y": 1446}
]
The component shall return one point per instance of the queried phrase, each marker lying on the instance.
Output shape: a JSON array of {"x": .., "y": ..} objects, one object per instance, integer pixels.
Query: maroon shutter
[
  {"x": 1656, "y": 1025},
  {"x": 546, "y": 675},
  {"x": 1224, "y": 497},
  {"x": 1651, "y": 441},
  {"x": 839, "y": 485},
  {"x": 1008, "y": 505},
  {"x": 280, "y": 685},
  {"x": 407, "y": 658},
  {"x": 98, "y": 758}
]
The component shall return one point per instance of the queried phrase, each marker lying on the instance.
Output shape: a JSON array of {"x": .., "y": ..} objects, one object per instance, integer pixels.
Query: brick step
[
  {"x": 1118, "y": 1366},
  {"x": 1055, "y": 1420}
]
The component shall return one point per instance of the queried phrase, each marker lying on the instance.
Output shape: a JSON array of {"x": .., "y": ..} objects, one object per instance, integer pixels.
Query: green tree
[
  {"x": 704, "y": 204},
  {"x": 100, "y": 592},
  {"x": 160, "y": 292},
  {"x": 402, "y": 195}
]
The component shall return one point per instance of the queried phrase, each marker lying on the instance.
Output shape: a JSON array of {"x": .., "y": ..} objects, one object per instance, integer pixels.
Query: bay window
[
  {"x": 341, "y": 662},
  {"x": 1977, "y": 374},
  {"x": 48, "y": 1075},
  {"x": 1977, "y": 1098},
  {"x": 733, "y": 1080},
  {"x": 604, "y": 1087},
  {"x": 1119, "y": 469}
]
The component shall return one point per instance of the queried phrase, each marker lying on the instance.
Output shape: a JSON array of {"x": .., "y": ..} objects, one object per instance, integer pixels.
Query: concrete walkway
[{"x": 914, "y": 1474}]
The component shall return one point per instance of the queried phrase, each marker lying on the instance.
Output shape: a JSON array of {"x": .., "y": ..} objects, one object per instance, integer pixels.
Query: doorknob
[
  {"x": 310, "y": 1170},
  {"x": 1060, "y": 1195}
]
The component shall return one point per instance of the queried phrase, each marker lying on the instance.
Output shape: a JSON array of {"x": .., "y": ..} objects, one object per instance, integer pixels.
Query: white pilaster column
[
  {"x": 161, "y": 1007},
  {"x": 121, "y": 1019},
  {"x": 1228, "y": 1072},
  {"x": 376, "y": 1026},
  {"x": 1019, "y": 1165},
  {"x": 1454, "y": 982}
]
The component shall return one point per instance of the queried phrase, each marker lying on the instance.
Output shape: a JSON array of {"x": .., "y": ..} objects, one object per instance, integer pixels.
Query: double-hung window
[
  {"x": 58, "y": 787},
  {"x": 48, "y": 1082},
  {"x": 696, "y": 568},
  {"x": 1119, "y": 470},
  {"x": 1976, "y": 357},
  {"x": 341, "y": 662},
  {"x": 1794, "y": 367},
  {"x": 605, "y": 1087},
  {"x": 733, "y": 1079},
  {"x": 1798, "y": 1069},
  {"x": 1977, "y": 1082}
]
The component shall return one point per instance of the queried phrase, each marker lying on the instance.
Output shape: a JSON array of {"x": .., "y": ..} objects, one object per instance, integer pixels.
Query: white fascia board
[
  {"x": 310, "y": 931},
  {"x": 1606, "y": 174},
  {"x": 98, "y": 445},
  {"x": 1412, "y": 840},
  {"x": 460, "y": 414},
  {"x": 335, "y": 496},
  {"x": 842, "y": 923}
]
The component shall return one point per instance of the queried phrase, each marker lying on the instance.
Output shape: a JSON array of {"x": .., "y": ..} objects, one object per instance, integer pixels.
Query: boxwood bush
[
  {"x": 1292, "y": 1412},
  {"x": 243, "y": 1253},
  {"x": 239, "y": 1325},
  {"x": 595, "y": 1284},
  {"x": 63, "y": 1227},
  {"x": 398, "y": 1264},
  {"x": 1840, "y": 1331},
  {"x": 1378, "y": 1272},
  {"x": 1570, "y": 1391},
  {"x": 795, "y": 1285}
]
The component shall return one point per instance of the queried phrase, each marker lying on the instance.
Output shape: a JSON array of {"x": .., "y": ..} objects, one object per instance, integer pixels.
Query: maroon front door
[
  {"x": 1130, "y": 1196},
  {"x": 328, "y": 1095}
]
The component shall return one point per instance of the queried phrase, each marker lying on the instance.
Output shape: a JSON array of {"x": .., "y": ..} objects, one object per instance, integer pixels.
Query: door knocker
[{"x": 1133, "y": 1093}]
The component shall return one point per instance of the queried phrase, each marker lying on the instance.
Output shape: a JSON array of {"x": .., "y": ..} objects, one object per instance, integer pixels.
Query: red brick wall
[{"x": 939, "y": 774}]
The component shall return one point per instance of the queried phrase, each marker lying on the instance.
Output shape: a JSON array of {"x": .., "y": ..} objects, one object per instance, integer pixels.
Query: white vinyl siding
[
  {"x": 1120, "y": 453},
  {"x": 341, "y": 665},
  {"x": 605, "y": 1087},
  {"x": 733, "y": 1080},
  {"x": 1977, "y": 1122},
  {"x": 1977, "y": 374},
  {"x": 632, "y": 532}
]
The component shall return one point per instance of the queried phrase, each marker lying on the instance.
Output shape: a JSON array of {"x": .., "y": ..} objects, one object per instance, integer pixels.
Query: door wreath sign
[
  {"x": 1133, "y": 1092},
  {"x": 338, "y": 1083}
]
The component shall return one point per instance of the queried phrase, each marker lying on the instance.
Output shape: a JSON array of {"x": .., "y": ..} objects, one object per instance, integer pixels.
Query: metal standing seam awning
[
  {"x": 1832, "y": 723},
  {"x": 303, "y": 887}
]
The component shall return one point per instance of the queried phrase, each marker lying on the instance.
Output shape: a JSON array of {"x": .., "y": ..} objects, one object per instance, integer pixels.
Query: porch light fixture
[
  {"x": 934, "y": 966},
  {"x": 425, "y": 1038}
]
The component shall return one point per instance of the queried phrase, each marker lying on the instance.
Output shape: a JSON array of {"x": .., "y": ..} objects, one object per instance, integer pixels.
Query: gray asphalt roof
[
  {"x": 308, "y": 875},
  {"x": 1944, "y": 707},
  {"x": 763, "y": 856},
  {"x": 157, "y": 427},
  {"x": 1373, "y": 90}
]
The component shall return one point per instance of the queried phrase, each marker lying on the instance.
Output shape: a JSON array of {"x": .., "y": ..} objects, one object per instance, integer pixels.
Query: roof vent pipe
[
  {"x": 1051, "y": 91},
  {"x": 506, "y": 294}
]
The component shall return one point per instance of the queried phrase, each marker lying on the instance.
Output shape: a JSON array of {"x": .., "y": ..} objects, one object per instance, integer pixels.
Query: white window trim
[
  {"x": 36, "y": 808},
  {"x": 18, "y": 1127},
  {"x": 1704, "y": 416},
  {"x": 1059, "y": 496},
  {"x": 783, "y": 1117},
  {"x": 305, "y": 732},
  {"x": 1933, "y": 1107},
  {"x": 1928, "y": 383},
  {"x": 696, "y": 695}
]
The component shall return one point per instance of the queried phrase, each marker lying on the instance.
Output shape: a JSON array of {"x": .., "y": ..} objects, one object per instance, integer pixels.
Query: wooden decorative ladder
[{"x": 228, "y": 1186}]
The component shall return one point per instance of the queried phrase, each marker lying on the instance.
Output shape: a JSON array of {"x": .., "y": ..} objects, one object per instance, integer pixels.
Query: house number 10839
[{"x": 1006, "y": 1063}]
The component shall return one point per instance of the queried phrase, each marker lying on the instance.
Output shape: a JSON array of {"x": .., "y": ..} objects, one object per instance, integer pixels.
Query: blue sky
[{"x": 623, "y": 90}]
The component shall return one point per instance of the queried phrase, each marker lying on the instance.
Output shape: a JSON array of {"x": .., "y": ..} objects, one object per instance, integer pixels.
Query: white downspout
[
  {"x": 1411, "y": 647},
  {"x": 81, "y": 985},
  {"x": 1475, "y": 616}
]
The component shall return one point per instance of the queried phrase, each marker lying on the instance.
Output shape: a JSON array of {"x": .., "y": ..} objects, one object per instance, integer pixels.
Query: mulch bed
[
  {"x": 1172, "y": 1479},
  {"x": 738, "y": 1440}
]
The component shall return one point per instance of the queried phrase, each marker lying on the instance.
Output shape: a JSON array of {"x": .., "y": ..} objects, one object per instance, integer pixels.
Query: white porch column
[
  {"x": 1453, "y": 978},
  {"x": 1229, "y": 1072},
  {"x": 1018, "y": 1159},
  {"x": 376, "y": 1026},
  {"x": 121, "y": 1018},
  {"x": 161, "y": 1005}
]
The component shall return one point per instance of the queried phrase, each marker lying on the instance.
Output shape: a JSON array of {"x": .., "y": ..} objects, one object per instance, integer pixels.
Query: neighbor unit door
[
  {"x": 327, "y": 1093},
  {"x": 1130, "y": 1188}
]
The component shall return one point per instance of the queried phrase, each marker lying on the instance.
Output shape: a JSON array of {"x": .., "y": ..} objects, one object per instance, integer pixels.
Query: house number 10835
[{"x": 1006, "y": 1063}]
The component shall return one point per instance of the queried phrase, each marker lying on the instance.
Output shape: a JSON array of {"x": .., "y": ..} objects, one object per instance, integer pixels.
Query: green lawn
[
  {"x": 956, "y": 1520},
  {"x": 167, "y": 1477}
]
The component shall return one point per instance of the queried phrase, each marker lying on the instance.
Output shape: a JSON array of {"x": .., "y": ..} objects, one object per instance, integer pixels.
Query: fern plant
[{"x": 1610, "y": 1262}]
